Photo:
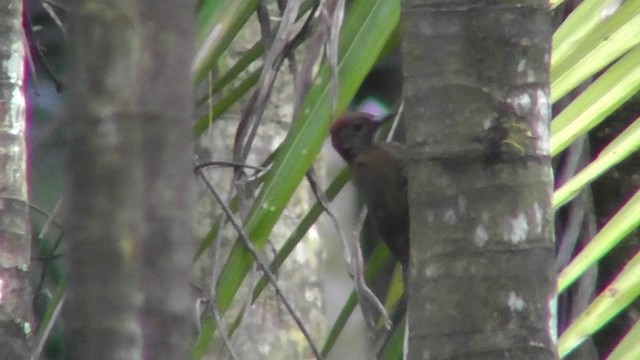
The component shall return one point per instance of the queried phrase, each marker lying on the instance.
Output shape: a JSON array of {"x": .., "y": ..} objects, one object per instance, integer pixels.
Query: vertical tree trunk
[
  {"x": 477, "y": 98},
  {"x": 168, "y": 312},
  {"x": 15, "y": 241},
  {"x": 129, "y": 180}
]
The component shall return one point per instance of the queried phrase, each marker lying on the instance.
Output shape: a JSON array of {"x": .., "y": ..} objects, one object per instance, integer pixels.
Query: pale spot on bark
[
  {"x": 486, "y": 123},
  {"x": 480, "y": 236},
  {"x": 553, "y": 318},
  {"x": 450, "y": 217},
  {"x": 540, "y": 122},
  {"x": 521, "y": 103},
  {"x": 517, "y": 229},
  {"x": 536, "y": 212},
  {"x": 515, "y": 302},
  {"x": 430, "y": 216},
  {"x": 431, "y": 271},
  {"x": 462, "y": 204}
]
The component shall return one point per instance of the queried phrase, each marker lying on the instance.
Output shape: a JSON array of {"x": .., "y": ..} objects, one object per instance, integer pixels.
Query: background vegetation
[{"x": 595, "y": 80}]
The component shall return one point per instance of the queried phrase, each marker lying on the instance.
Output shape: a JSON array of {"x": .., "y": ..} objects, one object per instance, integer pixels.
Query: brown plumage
[{"x": 379, "y": 176}]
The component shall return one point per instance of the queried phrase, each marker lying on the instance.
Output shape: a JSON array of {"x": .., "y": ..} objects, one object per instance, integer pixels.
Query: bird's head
[{"x": 353, "y": 131}]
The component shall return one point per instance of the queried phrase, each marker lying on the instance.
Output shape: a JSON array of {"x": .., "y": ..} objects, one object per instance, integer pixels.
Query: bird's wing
[{"x": 380, "y": 176}]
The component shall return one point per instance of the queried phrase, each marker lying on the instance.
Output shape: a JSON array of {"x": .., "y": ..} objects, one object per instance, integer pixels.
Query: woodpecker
[{"x": 379, "y": 174}]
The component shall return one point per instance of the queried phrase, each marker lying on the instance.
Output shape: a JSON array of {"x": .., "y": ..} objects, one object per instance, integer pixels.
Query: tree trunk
[
  {"x": 15, "y": 241},
  {"x": 130, "y": 182},
  {"x": 482, "y": 280}
]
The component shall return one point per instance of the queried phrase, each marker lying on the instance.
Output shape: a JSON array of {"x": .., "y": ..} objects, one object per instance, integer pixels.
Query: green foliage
[
  {"x": 585, "y": 43},
  {"x": 619, "y": 294},
  {"x": 600, "y": 99}
]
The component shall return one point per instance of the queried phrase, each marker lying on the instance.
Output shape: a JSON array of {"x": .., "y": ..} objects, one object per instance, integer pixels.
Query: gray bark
[
  {"x": 482, "y": 280},
  {"x": 15, "y": 243},
  {"x": 129, "y": 180}
]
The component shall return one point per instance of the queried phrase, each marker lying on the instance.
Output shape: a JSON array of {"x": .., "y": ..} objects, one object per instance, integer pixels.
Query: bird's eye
[{"x": 358, "y": 126}]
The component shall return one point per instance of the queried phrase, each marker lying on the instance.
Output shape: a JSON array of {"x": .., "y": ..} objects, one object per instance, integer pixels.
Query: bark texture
[
  {"x": 15, "y": 242},
  {"x": 129, "y": 180},
  {"x": 482, "y": 282}
]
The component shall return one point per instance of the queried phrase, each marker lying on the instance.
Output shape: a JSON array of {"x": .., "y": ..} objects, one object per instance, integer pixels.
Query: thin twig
[
  {"x": 51, "y": 256},
  {"x": 233, "y": 164},
  {"x": 44, "y": 335},
  {"x": 353, "y": 256},
  {"x": 262, "y": 13},
  {"x": 45, "y": 214},
  {"x": 263, "y": 267},
  {"x": 252, "y": 114},
  {"x": 223, "y": 330},
  {"x": 586, "y": 285},
  {"x": 51, "y": 218},
  {"x": 45, "y": 264},
  {"x": 56, "y": 4},
  {"x": 366, "y": 297},
  {"x": 575, "y": 159},
  {"x": 396, "y": 122},
  {"x": 571, "y": 231},
  {"x": 314, "y": 47},
  {"x": 331, "y": 48},
  {"x": 324, "y": 202},
  {"x": 30, "y": 60},
  {"x": 54, "y": 16},
  {"x": 32, "y": 39}
]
